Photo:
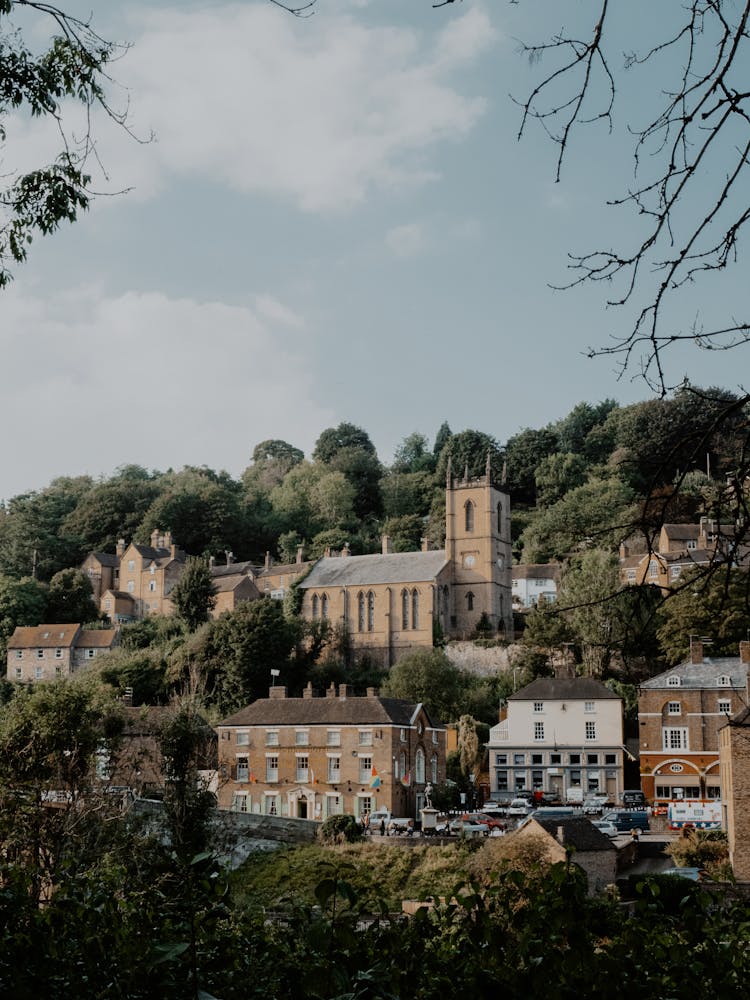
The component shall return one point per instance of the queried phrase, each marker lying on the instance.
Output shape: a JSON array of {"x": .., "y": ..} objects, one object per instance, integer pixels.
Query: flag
[
  {"x": 252, "y": 777},
  {"x": 375, "y": 779},
  {"x": 406, "y": 780},
  {"x": 312, "y": 776}
]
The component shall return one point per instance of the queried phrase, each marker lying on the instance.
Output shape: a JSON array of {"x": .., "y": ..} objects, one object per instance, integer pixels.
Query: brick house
[
  {"x": 559, "y": 734},
  {"x": 51, "y": 652},
  {"x": 578, "y": 839},
  {"x": 313, "y": 757},
  {"x": 734, "y": 755},
  {"x": 680, "y": 713}
]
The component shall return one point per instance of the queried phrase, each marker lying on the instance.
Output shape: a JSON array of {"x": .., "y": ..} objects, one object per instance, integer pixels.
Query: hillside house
[{"x": 51, "y": 652}]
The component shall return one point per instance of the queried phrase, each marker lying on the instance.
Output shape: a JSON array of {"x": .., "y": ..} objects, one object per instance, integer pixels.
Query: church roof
[{"x": 365, "y": 571}]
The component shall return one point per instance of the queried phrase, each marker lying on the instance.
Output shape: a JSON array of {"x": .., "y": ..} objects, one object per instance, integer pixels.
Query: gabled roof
[
  {"x": 349, "y": 711},
  {"x": 681, "y": 531},
  {"x": 577, "y": 832},
  {"x": 43, "y": 636},
  {"x": 105, "y": 558},
  {"x": 226, "y": 584},
  {"x": 97, "y": 638},
  {"x": 285, "y": 569},
  {"x": 235, "y": 569},
  {"x": 564, "y": 689},
  {"x": 365, "y": 571},
  {"x": 701, "y": 675},
  {"x": 162, "y": 557}
]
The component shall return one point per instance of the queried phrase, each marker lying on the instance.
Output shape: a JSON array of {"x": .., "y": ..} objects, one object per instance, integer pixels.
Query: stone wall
[{"x": 481, "y": 660}]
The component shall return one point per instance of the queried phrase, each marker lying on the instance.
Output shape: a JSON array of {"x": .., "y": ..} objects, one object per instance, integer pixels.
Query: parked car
[
  {"x": 628, "y": 820},
  {"x": 595, "y": 804},
  {"x": 486, "y": 819},
  {"x": 606, "y": 827},
  {"x": 519, "y": 807},
  {"x": 466, "y": 828}
]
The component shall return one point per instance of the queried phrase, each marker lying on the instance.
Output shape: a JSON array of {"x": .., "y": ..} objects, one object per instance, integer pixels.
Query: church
[{"x": 394, "y": 602}]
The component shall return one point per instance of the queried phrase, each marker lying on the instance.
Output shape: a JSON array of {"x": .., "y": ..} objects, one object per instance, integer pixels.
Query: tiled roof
[
  {"x": 687, "y": 531},
  {"x": 106, "y": 559},
  {"x": 235, "y": 569},
  {"x": 350, "y": 711},
  {"x": 578, "y": 833},
  {"x": 276, "y": 569},
  {"x": 43, "y": 636},
  {"x": 701, "y": 675},
  {"x": 563, "y": 689},
  {"x": 97, "y": 638},
  {"x": 365, "y": 571},
  {"x": 226, "y": 584}
]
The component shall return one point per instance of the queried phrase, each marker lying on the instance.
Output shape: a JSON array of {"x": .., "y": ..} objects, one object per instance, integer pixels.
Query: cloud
[
  {"x": 406, "y": 241},
  {"x": 319, "y": 111},
  {"x": 148, "y": 379}
]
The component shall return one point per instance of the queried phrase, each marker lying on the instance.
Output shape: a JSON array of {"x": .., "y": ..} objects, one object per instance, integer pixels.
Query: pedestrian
[{"x": 382, "y": 828}]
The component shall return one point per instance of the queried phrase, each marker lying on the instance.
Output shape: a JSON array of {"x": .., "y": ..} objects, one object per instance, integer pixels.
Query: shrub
[{"x": 341, "y": 829}]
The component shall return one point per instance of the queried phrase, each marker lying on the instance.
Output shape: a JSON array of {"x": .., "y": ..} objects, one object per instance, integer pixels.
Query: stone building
[
  {"x": 51, "y": 652},
  {"x": 734, "y": 754},
  {"x": 314, "y": 757},
  {"x": 680, "y": 713},
  {"x": 393, "y": 602},
  {"x": 579, "y": 840}
]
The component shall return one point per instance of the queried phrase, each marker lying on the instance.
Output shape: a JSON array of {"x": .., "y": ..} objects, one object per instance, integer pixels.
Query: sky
[{"x": 333, "y": 221}]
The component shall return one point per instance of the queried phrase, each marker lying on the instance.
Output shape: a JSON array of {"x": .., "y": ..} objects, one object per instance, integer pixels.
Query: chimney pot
[
  {"x": 331, "y": 690},
  {"x": 308, "y": 691},
  {"x": 386, "y": 546},
  {"x": 278, "y": 692},
  {"x": 343, "y": 688},
  {"x": 372, "y": 692},
  {"x": 696, "y": 651},
  {"x": 299, "y": 553},
  {"x": 745, "y": 651}
]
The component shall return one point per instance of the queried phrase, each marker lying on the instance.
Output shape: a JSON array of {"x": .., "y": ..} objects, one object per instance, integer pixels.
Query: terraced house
[{"x": 51, "y": 652}]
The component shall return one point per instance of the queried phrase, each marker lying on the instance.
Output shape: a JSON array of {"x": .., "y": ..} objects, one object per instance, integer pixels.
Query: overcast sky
[{"x": 333, "y": 222}]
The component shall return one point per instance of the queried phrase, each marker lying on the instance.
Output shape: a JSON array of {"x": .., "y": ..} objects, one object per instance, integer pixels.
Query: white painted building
[
  {"x": 534, "y": 581},
  {"x": 559, "y": 734}
]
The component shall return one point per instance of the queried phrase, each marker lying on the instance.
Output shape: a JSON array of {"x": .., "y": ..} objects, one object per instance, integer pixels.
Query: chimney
[
  {"x": 696, "y": 651},
  {"x": 346, "y": 551},
  {"x": 624, "y": 550},
  {"x": 173, "y": 551},
  {"x": 155, "y": 539},
  {"x": 168, "y": 540},
  {"x": 425, "y": 544},
  {"x": 120, "y": 550},
  {"x": 343, "y": 688},
  {"x": 385, "y": 542},
  {"x": 331, "y": 690},
  {"x": 300, "y": 549},
  {"x": 372, "y": 692},
  {"x": 277, "y": 693},
  {"x": 308, "y": 691},
  {"x": 268, "y": 561},
  {"x": 745, "y": 651},
  {"x": 211, "y": 562},
  {"x": 229, "y": 556},
  {"x": 327, "y": 552}
]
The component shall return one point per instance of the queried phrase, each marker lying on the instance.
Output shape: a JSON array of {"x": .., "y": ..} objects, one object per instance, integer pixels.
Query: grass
[{"x": 377, "y": 871}]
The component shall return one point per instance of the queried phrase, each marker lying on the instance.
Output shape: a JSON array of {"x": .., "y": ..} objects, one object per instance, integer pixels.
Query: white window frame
[
  {"x": 243, "y": 737},
  {"x": 272, "y": 770},
  {"x": 365, "y": 737},
  {"x": 272, "y": 737},
  {"x": 725, "y": 706},
  {"x": 674, "y": 708},
  {"x": 333, "y": 738},
  {"x": 675, "y": 738},
  {"x": 538, "y": 706},
  {"x": 538, "y": 732},
  {"x": 590, "y": 731},
  {"x": 302, "y": 737}
]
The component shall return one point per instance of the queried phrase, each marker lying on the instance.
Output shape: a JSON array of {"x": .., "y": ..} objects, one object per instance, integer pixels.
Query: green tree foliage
[
  {"x": 427, "y": 676},
  {"x": 598, "y": 513},
  {"x": 556, "y": 475},
  {"x": 141, "y": 672},
  {"x": 112, "y": 509},
  {"x": 523, "y": 454},
  {"x": 715, "y": 608},
  {"x": 70, "y": 598},
  {"x": 71, "y": 68},
  {"x": 272, "y": 460},
  {"x": 22, "y": 602},
  {"x": 33, "y": 537},
  {"x": 363, "y": 472},
  {"x": 345, "y": 437},
  {"x": 469, "y": 449},
  {"x": 194, "y": 595},
  {"x": 574, "y": 432},
  {"x": 409, "y": 494},
  {"x": 441, "y": 439},
  {"x": 413, "y": 455}
]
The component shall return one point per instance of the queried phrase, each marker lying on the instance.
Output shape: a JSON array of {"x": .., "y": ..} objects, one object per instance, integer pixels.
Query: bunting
[{"x": 375, "y": 779}]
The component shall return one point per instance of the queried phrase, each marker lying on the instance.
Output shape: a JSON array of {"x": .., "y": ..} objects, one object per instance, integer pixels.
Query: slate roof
[
  {"x": 365, "y": 571},
  {"x": 276, "y": 569},
  {"x": 686, "y": 531},
  {"x": 162, "y": 557},
  {"x": 235, "y": 569},
  {"x": 350, "y": 711},
  {"x": 701, "y": 675},
  {"x": 578, "y": 833},
  {"x": 226, "y": 584},
  {"x": 563, "y": 689},
  {"x": 107, "y": 559}
]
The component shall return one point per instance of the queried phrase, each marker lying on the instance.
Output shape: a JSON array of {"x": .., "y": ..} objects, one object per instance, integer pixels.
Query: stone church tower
[{"x": 478, "y": 547}]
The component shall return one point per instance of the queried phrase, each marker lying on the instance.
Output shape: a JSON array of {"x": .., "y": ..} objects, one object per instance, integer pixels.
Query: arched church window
[
  {"x": 470, "y": 601},
  {"x": 316, "y": 606},
  {"x": 324, "y": 606},
  {"x": 499, "y": 518},
  {"x": 415, "y": 609},
  {"x": 361, "y": 613},
  {"x": 404, "y": 609},
  {"x": 469, "y": 515},
  {"x": 370, "y": 611}
]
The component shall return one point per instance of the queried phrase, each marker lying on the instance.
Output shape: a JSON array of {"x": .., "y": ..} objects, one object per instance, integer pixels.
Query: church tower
[{"x": 477, "y": 544}]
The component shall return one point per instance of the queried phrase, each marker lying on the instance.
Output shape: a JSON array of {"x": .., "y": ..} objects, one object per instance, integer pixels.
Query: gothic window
[
  {"x": 361, "y": 613},
  {"x": 434, "y": 769},
  {"x": 499, "y": 519},
  {"x": 469, "y": 515},
  {"x": 370, "y": 612},
  {"x": 324, "y": 606},
  {"x": 402, "y": 764},
  {"x": 470, "y": 601},
  {"x": 315, "y": 606},
  {"x": 404, "y": 609},
  {"x": 415, "y": 609}
]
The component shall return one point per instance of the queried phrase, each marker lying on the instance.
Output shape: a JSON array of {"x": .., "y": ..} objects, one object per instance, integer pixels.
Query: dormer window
[
  {"x": 673, "y": 681},
  {"x": 724, "y": 681}
]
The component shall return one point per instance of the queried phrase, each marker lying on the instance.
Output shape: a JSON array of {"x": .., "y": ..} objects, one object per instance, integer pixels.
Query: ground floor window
[
  {"x": 334, "y": 805},
  {"x": 241, "y": 802},
  {"x": 502, "y": 781},
  {"x": 364, "y": 805},
  {"x": 272, "y": 806}
]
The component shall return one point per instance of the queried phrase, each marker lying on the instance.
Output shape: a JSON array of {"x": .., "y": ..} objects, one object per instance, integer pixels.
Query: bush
[{"x": 342, "y": 829}]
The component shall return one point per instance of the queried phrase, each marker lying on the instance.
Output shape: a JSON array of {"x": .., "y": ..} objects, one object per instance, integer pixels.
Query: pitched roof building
[{"x": 51, "y": 652}]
